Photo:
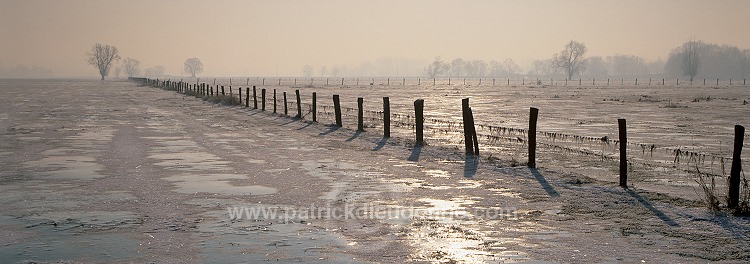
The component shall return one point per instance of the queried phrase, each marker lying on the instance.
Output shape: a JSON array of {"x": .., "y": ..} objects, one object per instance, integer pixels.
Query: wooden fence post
[
  {"x": 247, "y": 97},
  {"x": 263, "y": 99},
  {"x": 337, "y": 110},
  {"x": 360, "y": 115},
  {"x": 386, "y": 117},
  {"x": 299, "y": 104},
  {"x": 419, "y": 117},
  {"x": 314, "y": 107},
  {"x": 468, "y": 137},
  {"x": 533, "y": 116},
  {"x": 274, "y": 101},
  {"x": 255, "y": 98},
  {"x": 473, "y": 132},
  {"x": 240, "y": 96},
  {"x": 286, "y": 111},
  {"x": 734, "y": 176},
  {"x": 621, "y": 125},
  {"x": 222, "y": 90}
]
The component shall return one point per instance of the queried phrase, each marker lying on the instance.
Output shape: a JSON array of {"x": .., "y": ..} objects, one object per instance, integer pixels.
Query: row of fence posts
[
  {"x": 523, "y": 81},
  {"x": 470, "y": 136}
]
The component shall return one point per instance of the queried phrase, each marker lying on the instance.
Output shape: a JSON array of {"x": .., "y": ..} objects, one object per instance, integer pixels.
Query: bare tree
[
  {"x": 597, "y": 67},
  {"x": 457, "y": 66},
  {"x": 480, "y": 68},
  {"x": 510, "y": 67},
  {"x": 571, "y": 58},
  {"x": 132, "y": 67},
  {"x": 193, "y": 66},
  {"x": 691, "y": 59},
  {"x": 436, "y": 68},
  {"x": 103, "y": 56}
]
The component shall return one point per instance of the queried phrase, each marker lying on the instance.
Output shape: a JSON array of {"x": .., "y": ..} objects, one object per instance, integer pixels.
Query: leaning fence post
[
  {"x": 473, "y": 131},
  {"x": 286, "y": 111},
  {"x": 255, "y": 98},
  {"x": 299, "y": 104},
  {"x": 360, "y": 115},
  {"x": 533, "y": 116},
  {"x": 419, "y": 117},
  {"x": 468, "y": 138},
  {"x": 337, "y": 109},
  {"x": 314, "y": 107},
  {"x": 734, "y": 176},
  {"x": 623, "y": 152},
  {"x": 386, "y": 117},
  {"x": 263, "y": 99}
]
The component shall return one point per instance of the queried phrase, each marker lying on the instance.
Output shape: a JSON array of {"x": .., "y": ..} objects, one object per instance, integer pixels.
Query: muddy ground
[{"x": 116, "y": 172}]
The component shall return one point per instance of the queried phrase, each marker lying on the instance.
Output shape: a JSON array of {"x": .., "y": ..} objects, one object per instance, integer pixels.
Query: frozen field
[
  {"x": 102, "y": 172},
  {"x": 673, "y": 130}
]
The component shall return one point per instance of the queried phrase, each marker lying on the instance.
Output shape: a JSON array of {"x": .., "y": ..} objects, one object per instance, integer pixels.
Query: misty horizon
[{"x": 348, "y": 39}]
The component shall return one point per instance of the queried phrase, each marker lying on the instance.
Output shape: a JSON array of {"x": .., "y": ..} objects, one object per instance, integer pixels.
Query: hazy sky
[{"x": 255, "y": 38}]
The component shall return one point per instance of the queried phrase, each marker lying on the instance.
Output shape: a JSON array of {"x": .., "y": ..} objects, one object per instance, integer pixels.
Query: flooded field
[{"x": 118, "y": 172}]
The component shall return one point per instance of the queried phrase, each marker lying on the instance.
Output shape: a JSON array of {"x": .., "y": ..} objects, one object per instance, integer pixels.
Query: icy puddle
[
  {"x": 74, "y": 235},
  {"x": 216, "y": 184},
  {"x": 177, "y": 153},
  {"x": 67, "y": 167},
  {"x": 450, "y": 231},
  {"x": 261, "y": 238}
]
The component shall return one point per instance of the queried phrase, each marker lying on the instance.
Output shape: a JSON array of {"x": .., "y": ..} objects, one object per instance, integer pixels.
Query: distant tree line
[
  {"x": 696, "y": 59},
  {"x": 693, "y": 59}
]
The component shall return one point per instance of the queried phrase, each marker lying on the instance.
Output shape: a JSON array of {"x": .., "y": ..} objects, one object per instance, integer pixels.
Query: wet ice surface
[
  {"x": 266, "y": 239},
  {"x": 216, "y": 184},
  {"x": 75, "y": 190}
]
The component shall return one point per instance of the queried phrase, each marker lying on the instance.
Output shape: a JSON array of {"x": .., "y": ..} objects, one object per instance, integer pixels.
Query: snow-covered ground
[{"x": 112, "y": 171}]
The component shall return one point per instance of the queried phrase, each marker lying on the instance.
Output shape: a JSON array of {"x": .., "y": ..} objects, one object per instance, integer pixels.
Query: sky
[{"x": 278, "y": 37}]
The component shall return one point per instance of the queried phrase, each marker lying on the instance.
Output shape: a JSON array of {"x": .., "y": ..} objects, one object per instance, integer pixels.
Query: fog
[{"x": 349, "y": 38}]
